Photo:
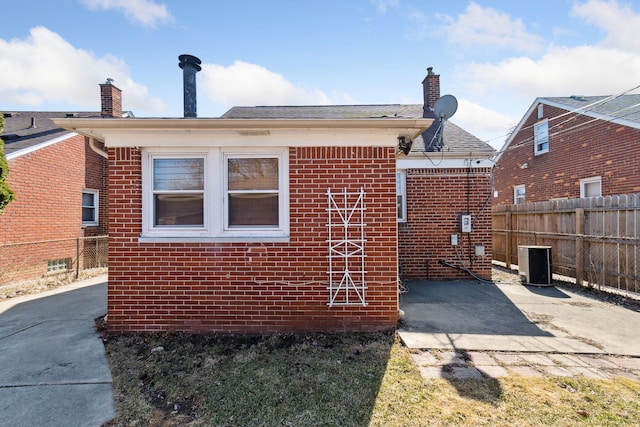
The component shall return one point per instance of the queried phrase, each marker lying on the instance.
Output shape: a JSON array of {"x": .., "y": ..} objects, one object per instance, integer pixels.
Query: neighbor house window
[
  {"x": 216, "y": 194},
  {"x": 401, "y": 195},
  {"x": 541, "y": 137},
  {"x": 519, "y": 194},
  {"x": 89, "y": 208},
  {"x": 58, "y": 265},
  {"x": 591, "y": 187}
]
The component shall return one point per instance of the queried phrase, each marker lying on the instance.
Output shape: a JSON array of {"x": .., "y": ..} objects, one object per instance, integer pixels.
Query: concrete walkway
[
  {"x": 471, "y": 329},
  {"x": 54, "y": 370}
]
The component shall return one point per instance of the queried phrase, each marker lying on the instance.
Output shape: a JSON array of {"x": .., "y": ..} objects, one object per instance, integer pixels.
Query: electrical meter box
[{"x": 465, "y": 223}]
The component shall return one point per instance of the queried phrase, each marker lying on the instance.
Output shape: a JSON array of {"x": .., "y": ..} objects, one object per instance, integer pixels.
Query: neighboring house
[
  {"x": 60, "y": 187},
  {"x": 285, "y": 223},
  {"x": 571, "y": 147}
]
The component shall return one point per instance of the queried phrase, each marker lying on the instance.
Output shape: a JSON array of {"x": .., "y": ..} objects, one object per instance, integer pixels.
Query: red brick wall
[
  {"x": 48, "y": 184},
  {"x": 255, "y": 287},
  {"x": 436, "y": 199},
  {"x": 592, "y": 148}
]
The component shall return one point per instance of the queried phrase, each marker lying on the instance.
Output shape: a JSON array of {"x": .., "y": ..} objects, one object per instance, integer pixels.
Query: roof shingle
[{"x": 455, "y": 138}]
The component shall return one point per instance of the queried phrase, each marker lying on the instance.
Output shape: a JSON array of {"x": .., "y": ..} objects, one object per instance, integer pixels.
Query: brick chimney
[
  {"x": 110, "y": 99},
  {"x": 431, "y": 92}
]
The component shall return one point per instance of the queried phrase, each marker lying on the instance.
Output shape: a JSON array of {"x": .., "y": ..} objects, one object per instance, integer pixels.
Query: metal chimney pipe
[{"x": 190, "y": 66}]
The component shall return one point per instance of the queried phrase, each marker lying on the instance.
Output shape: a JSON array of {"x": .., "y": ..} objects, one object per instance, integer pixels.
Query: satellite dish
[{"x": 445, "y": 107}]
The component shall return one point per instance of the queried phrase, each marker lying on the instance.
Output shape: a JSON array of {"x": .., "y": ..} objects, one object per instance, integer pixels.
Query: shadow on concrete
[
  {"x": 547, "y": 291},
  {"x": 464, "y": 307}
]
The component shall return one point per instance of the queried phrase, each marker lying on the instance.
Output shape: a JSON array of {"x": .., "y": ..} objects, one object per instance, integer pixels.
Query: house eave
[{"x": 119, "y": 132}]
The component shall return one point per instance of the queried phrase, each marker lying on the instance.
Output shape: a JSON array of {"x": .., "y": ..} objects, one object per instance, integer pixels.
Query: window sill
[{"x": 221, "y": 239}]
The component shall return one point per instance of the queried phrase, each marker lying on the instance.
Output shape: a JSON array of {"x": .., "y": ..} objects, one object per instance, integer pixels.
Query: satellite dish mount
[{"x": 445, "y": 107}]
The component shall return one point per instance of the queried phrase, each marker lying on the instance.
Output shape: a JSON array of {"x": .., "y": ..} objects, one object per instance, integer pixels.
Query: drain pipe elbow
[{"x": 94, "y": 148}]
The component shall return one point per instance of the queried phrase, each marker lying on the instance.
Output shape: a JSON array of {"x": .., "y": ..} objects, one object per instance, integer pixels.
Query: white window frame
[
  {"x": 401, "y": 191},
  {"x": 283, "y": 193},
  {"x": 537, "y": 138},
  {"x": 586, "y": 181},
  {"x": 215, "y": 204},
  {"x": 148, "y": 206},
  {"x": 515, "y": 194},
  {"x": 96, "y": 207}
]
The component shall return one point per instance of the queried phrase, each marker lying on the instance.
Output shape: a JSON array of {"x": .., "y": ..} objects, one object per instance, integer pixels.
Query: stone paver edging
[{"x": 479, "y": 365}]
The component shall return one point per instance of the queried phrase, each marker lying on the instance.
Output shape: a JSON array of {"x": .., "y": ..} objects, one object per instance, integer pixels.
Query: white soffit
[{"x": 258, "y": 132}]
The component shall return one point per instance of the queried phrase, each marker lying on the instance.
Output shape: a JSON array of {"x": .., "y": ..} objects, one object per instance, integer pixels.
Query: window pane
[
  {"x": 542, "y": 136},
  {"x": 88, "y": 215},
  {"x": 592, "y": 189},
  {"x": 253, "y": 174},
  {"x": 178, "y": 174},
  {"x": 519, "y": 194},
  {"x": 258, "y": 209},
  {"x": 399, "y": 207},
  {"x": 179, "y": 209},
  {"x": 88, "y": 199}
]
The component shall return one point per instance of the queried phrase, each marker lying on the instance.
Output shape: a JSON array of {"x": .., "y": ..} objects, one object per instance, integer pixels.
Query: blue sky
[{"x": 495, "y": 56}]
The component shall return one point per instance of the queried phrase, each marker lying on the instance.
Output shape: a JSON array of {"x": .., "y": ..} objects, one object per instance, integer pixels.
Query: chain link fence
[{"x": 52, "y": 261}]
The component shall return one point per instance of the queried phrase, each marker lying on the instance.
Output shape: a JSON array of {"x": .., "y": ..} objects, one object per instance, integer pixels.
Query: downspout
[{"x": 92, "y": 144}]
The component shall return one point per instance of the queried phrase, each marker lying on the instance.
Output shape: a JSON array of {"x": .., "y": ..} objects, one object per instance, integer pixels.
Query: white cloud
[
  {"x": 383, "y": 5},
  {"x": 620, "y": 22},
  {"x": 45, "y": 68},
  {"x": 562, "y": 71},
  {"x": 248, "y": 84},
  {"x": 145, "y": 12},
  {"x": 486, "y": 124},
  {"x": 511, "y": 85},
  {"x": 488, "y": 27}
]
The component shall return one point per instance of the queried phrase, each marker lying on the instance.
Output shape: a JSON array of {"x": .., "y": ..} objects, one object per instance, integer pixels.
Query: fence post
[
  {"x": 77, "y": 258},
  {"x": 579, "y": 246},
  {"x": 507, "y": 245}
]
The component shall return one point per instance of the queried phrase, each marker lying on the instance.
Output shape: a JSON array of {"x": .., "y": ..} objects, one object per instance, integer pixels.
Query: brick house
[
  {"x": 284, "y": 221},
  {"x": 571, "y": 147},
  {"x": 60, "y": 186},
  {"x": 441, "y": 178}
]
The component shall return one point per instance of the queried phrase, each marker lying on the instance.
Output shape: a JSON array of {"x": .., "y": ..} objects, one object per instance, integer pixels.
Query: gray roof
[
  {"x": 19, "y": 134},
  {"x": 455, "y": 138},
  {"x": 623, "y": 107}
]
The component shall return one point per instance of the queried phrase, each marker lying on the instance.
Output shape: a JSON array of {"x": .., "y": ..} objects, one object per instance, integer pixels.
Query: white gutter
[
  {"x": 31, "y": 149},
  {"x": 92, "y": 144}
]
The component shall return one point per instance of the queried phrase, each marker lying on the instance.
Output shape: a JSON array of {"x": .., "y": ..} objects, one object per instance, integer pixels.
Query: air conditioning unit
[{"x": 534, "y": 265}]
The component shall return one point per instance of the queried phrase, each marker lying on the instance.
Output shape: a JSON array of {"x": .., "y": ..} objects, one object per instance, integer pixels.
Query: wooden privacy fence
[{"x": 594, "y": 240}]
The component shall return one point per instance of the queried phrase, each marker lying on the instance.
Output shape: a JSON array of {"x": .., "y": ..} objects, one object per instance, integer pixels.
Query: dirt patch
[
  {"x": 48, "y": 283},
  {"x": 183, "y": 379}
]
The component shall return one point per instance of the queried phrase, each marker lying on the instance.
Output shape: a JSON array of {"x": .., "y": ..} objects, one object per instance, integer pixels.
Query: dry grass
[{"x": 336, "y": 380}]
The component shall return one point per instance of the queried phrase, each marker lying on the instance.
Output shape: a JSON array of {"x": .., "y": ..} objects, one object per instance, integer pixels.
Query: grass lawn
[{"x": 336, "y": 380}]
